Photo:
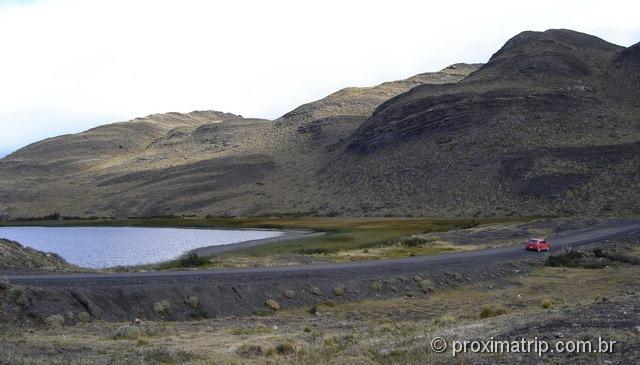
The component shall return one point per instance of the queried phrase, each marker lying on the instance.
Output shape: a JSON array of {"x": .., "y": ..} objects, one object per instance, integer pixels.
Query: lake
[{"x": 101, "y": 247}]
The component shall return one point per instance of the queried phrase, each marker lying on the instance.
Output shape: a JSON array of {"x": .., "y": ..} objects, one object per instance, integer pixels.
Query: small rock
[
  {"x": 315, "y": 291},
  {"x": 559, "y": 335},
  {"x": 271, "y": 303}
]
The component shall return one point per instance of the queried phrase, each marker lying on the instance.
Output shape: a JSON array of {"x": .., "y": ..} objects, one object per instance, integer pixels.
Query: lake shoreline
[
  {"x": 124, "y": 248},
  {"x": 287, "y": 235}
]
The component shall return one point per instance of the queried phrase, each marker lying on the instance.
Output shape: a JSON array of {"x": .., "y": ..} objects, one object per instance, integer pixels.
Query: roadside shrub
[
  {"x": 4, "y": 283},
  {"x": 567, "y": 258},
  {"x": 315, "y": 251},
  {"x": 289, "y": 294},
  {"x": 54, "y": 321},
  {"x": 426, "y": 286},
  {"x": 573, "y": 258},
  {"x": 414, "y": 242},
  {"x": 192, "y": 301},
  {"x": 315, "y": 291},
  {"x": 272, "y": 304},
  {"x": 192, "y": 260},
  {"x": 616, "y": 256},
  {"x": 127, "y": 332},
  {"x": 84, "y": 317},
  {"x": 163, "y": 308},
  {"x": 547, "y": 303},
  {"x": 492, "y": 311},
  {"x": 338, "y": 292},
  {"x": 248, "y": 350},
  {"x": 18, "y": 295},
  {"x": 376, "y": 286}
]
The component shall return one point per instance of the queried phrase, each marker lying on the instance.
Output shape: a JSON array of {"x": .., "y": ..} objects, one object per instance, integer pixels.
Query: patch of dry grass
[{"x": 366, "y": 332}]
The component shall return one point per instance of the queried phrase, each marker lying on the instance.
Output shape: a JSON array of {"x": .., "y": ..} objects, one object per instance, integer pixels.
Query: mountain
[
  {"x": 549, "y": 125},
  {"x": 204, "y": 162}
]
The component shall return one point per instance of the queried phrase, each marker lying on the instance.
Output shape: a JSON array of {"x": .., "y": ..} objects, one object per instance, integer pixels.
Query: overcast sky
[{"x": 68, "y": 65}]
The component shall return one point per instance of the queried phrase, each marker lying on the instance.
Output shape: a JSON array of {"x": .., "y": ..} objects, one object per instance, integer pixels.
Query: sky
[{"x": 68, "y": 65}]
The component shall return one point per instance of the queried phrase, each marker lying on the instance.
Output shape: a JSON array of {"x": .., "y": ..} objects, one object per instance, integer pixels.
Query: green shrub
[
  {"x": 315, "y": 251},
  {"x": 567, "y": 258},
  {"x": 289, "y": 294},
  {"x": 163, "y": 308},
  {"x": 315, "y": 291},
  {"x": 18, "y": 295},
  {"x": 492, "y": 311},
  {"x": 338, "y": 291},
  {"x": 54, "y": 321},
  {"x": 192, "y": 301},
  {"x": 426, "y": 286},
  {"x": 84, "y": 317},
  {"x": 127, "y": 332},
  {"x": 192, "y": 260},
  {"x": 376, "y": 286},
  {"x": 547, "y": 303},
  {"x": 414, "y": 242}
]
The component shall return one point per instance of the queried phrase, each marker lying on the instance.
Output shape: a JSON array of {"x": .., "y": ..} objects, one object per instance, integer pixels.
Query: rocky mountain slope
[{"x": 548, "y": 126}]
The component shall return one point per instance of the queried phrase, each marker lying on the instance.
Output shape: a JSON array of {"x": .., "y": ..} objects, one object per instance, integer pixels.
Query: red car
[{"x": 537, "y": 244}]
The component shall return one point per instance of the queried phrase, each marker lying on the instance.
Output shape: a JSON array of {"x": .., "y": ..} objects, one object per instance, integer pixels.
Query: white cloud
[{"x": 68, "y": 65}]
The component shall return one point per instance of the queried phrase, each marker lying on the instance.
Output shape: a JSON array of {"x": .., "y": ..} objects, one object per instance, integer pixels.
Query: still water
[{"x": 100, "y": 247}]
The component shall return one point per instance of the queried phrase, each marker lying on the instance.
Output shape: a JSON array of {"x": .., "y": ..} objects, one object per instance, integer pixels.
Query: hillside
[
  {"x": 549, "y": 125},
  {"x": 201, "y": 162},
  {"x": 15, "y": 258}
]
